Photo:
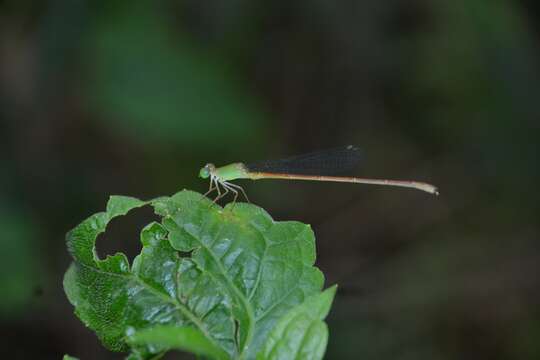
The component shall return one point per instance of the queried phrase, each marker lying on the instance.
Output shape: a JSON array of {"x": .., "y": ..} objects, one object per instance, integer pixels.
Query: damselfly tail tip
[{"x": 427, "y": 188}]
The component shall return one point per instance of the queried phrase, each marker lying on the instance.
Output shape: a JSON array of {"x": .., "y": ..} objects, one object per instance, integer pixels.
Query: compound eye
[{"x": 205, "y": 172}]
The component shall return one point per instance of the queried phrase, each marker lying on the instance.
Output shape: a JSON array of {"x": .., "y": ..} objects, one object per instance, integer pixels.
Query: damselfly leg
[
  {"x": 211, "y": 188},
  {"x": 237, "y": 187},
  {"x": 215, "y": 184}
]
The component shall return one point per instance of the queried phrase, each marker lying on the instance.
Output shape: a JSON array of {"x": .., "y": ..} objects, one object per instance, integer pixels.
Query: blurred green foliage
[
  {"x": 161, "y": 86},
  {"x": 477, "y": 75},
  {"x": 21, "y": 270}
]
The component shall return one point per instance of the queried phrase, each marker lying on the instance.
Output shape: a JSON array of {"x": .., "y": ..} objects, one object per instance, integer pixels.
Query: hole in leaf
[
  {"x": 184, "y": 254},
  {"x": 123, "y": 233}
]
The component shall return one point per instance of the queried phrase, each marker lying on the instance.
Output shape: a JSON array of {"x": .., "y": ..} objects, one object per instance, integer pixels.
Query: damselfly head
[{"x": 207, "y": 170}]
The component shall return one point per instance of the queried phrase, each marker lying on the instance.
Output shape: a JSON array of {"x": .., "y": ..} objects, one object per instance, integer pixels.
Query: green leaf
[
  {"x": 182, "y": 338},
  {"x": 302, "y": 333},
  {"x": 67, "y": 357},
  {"x": 228, "y": 274}
]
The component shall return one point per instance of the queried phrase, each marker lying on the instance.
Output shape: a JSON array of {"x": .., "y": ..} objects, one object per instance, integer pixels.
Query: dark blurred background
[{"x": 118, "y": 97}]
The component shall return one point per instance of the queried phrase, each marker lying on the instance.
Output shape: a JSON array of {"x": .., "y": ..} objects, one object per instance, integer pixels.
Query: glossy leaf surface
[
  {"x": 208, "y": 280},
  {"x": 302, "y": 333}
]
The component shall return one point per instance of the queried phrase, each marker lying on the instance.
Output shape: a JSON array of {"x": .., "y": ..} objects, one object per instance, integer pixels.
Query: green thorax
[{"x": 231, "y": 172}]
